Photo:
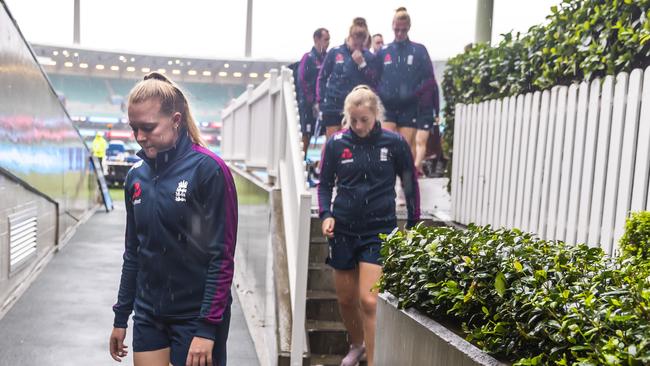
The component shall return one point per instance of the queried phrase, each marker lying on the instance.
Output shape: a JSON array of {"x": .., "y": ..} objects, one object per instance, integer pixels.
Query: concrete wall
[
  {"x": 44, "y": 164},
  {"x": 406, "y": 337},
  {"x": 261, "y": 268},
  {"x": 16, "y": 198},
  {"x": 38, "y": 142}
]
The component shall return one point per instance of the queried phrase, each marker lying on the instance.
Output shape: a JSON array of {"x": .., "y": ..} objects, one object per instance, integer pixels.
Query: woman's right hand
[
  {"x": 315, "y": 110},
  {"x": 328, "y": 227},
  {"x": 357, "y": 56},
  {"x": 116, "y": 345}
]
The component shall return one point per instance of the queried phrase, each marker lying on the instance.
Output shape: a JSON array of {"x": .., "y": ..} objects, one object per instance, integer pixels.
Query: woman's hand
[
  {"x": 315, "y": 110},
  {"x": 328, "y": 227},
  {"x": 116, "y": 344},
  {"x": 357, "y": 56},
  {"x": 200, "y": 353}
]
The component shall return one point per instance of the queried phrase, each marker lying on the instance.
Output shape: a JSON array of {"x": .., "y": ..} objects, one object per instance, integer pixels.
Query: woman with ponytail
[
  {"x": 344, "y": 67},
  {"x": 362, "y": 162},
  {"x": 181, "y": 230},
  {"x": 405, "y": 83}
]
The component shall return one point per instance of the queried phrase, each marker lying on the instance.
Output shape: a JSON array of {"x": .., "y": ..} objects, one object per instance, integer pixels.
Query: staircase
[{"x": 326, "y": 335}]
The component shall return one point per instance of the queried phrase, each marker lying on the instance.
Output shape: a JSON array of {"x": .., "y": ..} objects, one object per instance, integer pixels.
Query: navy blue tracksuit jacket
[
  {"x": 181, "y": 232},
  {"x": 364, "y": 171},
  {"x": 308, "y": 71},
  {"x": 339, "y": 75},
  {"x": 404, "y": 74}
]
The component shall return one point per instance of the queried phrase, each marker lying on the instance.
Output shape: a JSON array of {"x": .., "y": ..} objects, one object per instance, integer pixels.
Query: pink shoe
[{"x": 355, "y": 354}]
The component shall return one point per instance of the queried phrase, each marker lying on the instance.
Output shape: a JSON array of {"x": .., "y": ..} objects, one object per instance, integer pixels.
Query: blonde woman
[
  {"x": 344, "y": 67},
  {"x": 181, "y": 231},
  {"x": 363, "y": 163},
  {"x": 405, "y": 76}
]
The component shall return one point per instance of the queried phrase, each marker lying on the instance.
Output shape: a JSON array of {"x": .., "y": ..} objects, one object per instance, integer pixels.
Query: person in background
[
  {"x": 181, "y": 232},
  {"x": 377, "y": 43},
  {"x": 405, "y": 74},
  {"x": 344, "y": 67},
  {"x": 430, "y": 103},
  {"x": 362, "y": 162},
  {"x": 99, "y": 147},
  {"x": 308, "y": 71}
]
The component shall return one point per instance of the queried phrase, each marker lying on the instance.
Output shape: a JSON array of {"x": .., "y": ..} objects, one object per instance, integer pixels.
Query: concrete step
[
  {"x": 322, "y": 305},
  {"x": 320, "y": 277},
  {"x": 284, "y": 359},
  {"x": 318, "y": 239},
  {"x": 329, "y": 360},
  {"x": 318, "y": 252},
  {"x": 327, "y": 337},
  {"x": 315, "y": 227}
]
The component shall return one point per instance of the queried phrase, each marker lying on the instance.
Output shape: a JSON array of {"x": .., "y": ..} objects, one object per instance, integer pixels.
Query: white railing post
[
  {"x": 247, "y": 125},
  {"x": 296, "y": 185},
  {"x": 275, "y": 123}
]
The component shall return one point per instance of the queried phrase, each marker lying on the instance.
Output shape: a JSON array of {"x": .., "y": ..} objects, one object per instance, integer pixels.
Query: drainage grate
[{"x": 23, "y": 227}]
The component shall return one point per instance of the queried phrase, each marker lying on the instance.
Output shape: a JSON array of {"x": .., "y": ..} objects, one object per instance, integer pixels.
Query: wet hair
[
  {"x": 318, "y": 33},
  {"x": 172, "y": 99},
  {"x": 359, "y": 28},
  {"x": 402, "y": 14},
  {"x": 362, "y": 95}
]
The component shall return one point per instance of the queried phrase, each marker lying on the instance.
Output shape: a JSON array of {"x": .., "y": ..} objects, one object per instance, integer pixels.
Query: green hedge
[
  {"x": 526, "y": 300},
  {"x": 581, "y": 40}
]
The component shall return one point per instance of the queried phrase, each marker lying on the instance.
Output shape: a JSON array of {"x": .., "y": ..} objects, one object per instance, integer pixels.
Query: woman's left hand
[{"x": 200, "y": 353}]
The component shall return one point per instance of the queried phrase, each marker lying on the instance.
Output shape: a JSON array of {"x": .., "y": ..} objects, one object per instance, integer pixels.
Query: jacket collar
[
  {"x": 165, "y": 158},
  {"x": 403, "y": 43},
  {"x": 319, "y": 56},
  {"x": 370, "y": 139}
]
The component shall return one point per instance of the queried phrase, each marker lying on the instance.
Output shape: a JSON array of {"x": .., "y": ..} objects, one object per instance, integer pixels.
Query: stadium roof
[{"x": 117, "y": 64}]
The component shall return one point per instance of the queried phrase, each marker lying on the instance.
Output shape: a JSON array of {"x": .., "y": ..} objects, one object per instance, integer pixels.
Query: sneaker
[{"x": 355, "y": 354}]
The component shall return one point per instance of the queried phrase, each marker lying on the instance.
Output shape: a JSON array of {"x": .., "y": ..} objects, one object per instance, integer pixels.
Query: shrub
[
  {"x": 523, "y": 299},
  {"x": 636, "y": 240}
]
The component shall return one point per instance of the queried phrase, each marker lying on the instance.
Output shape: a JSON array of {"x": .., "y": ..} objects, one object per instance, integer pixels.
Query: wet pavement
[{"x": 65, "y": 317}]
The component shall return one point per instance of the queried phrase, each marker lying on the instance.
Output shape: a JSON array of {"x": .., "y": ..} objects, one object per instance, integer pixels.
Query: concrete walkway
[{"x": 65, "y": 317}]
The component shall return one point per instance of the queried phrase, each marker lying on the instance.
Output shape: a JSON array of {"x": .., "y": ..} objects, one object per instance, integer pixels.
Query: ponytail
[
  {"x": 172, "y": 99},
  {"x": 359, "y": 28},
  {"x": 402, "y": 14}
]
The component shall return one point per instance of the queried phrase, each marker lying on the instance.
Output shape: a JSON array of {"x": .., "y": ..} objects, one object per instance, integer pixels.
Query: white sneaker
[{"x": 355, "y": 354}]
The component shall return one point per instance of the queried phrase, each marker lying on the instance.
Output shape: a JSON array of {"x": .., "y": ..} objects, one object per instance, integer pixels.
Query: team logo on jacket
[
  {"x": 137, "y": 192},
  {"x": 346, "y": 156},
  {"x": 388, "y": 59},
  {"x": 181, "y": 191},
  {"x": 383, "y": 154},
  {"x": 339, "y": 58}
]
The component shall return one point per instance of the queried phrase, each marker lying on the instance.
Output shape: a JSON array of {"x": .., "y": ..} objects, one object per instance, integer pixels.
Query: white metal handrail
[{"x": 261, "y": 131}]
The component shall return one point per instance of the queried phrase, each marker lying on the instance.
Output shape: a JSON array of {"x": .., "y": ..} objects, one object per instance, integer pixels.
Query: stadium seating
[{"x": 92, "y": 96}]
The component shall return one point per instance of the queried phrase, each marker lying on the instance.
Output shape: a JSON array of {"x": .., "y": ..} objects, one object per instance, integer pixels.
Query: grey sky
[{"x": 281, "y": 28}]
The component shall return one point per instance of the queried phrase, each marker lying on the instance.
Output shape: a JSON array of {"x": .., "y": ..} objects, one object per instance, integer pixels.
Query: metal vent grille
[{"x": 23, "y": 227}]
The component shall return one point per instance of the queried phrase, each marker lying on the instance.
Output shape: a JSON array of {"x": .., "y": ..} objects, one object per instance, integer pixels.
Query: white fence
[
  {"x": 261, "y": 131},
  {"x": 567, "y": 164}
]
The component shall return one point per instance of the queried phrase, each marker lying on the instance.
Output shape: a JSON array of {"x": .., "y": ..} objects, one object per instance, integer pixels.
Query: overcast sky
[{"x": 282, "y": 29}]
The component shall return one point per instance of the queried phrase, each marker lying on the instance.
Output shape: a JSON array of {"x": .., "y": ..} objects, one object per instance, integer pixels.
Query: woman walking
[
  {"x": 362, "y": 162},
  {"x": 181, "y": 232}
]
